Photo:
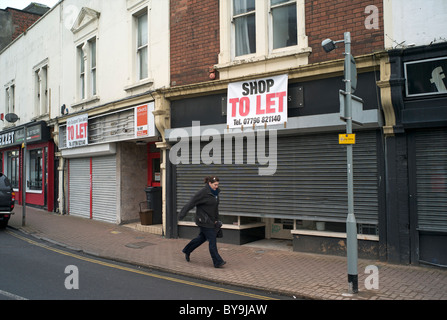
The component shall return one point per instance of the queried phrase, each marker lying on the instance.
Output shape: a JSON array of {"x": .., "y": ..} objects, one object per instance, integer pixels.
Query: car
[{"x": 7, "y": 201}]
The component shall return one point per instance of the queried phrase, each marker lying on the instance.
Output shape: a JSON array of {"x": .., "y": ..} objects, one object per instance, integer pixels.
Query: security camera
[{"x": 328, "y": 45}]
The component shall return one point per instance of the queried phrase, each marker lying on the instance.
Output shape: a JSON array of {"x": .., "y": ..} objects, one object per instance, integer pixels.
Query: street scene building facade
[
  {"x": 142, "y": 99},
  {"x": 84, "y": 94}
]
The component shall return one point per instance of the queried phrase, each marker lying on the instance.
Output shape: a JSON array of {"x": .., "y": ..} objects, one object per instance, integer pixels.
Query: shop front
[
  {"x": 107, "y": 158},
  {"x": 283, "y": 172},
  {"x": 419, "y": 92},
  {"x": 38, "y": 160}
]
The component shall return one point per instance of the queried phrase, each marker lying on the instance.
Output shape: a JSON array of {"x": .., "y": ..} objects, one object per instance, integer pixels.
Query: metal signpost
[
  {"x": 349, "y": 140},
  {"x": 24, "y": 177}
]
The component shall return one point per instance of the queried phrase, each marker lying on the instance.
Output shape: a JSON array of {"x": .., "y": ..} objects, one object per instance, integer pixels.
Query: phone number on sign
[{"x": 256, "y": 120}]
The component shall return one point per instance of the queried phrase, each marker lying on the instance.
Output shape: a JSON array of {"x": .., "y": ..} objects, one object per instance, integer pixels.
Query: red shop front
[{"x": 39, "y": 165}]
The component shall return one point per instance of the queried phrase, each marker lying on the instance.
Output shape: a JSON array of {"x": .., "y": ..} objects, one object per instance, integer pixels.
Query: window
[
  {"x": 284, "y": 23},
  {"x": 85, "y": 30},
  {"x": 259, "y": 32},
  {"x": 81, "y": 72},
  {"x": 10, "y": 98},
  {"x": 142, "y": 46},
  {"x": 35, "y": 170},
  {"x": 244, "y": 26},
  {"x": 92, "y": 45},
  {"x": 41, "y": 90},
  {"x": 87, "y": 73},
  {"x": 13, "y": 168}
]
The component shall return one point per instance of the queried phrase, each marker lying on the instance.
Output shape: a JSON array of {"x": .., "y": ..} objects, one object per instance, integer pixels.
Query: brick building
[
  {"x": 399, "y": 155},
  {"x": 13, "y": 22},
  {"x": 250, "y": 43}
]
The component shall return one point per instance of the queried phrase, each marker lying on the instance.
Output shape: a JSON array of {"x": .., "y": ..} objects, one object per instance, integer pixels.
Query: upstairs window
[
  {"x": 142, "y": 46},
  {"x": 81, "y": 82},
  {"x": 284, "y": 23},
  {"x": 10, "y": 98},
  {"x": 87, "y": 73},
  {"x": 41, "y": 94},
  {"x": 92, "y": 45},
  {"x": 261, "y": 30},
  {"x": 244, "y": 21}
]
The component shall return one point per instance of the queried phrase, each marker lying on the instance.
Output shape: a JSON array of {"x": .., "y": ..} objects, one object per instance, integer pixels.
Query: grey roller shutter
[
  {"x": 79, "y": 188},
  {"x": 104, "y": 188},
  {"x": 431, "y": 180},
  {"x": 309, "y": 184}
]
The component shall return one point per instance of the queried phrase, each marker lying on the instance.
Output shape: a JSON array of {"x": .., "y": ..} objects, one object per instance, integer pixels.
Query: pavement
[{"x": 302, "y": 275}]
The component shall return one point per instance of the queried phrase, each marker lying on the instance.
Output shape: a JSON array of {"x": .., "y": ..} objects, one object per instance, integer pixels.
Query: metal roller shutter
[
  {"x": 431, "y": 180},
  {"x": 104, "y": 189},
  {"x": 309, "y": 184},
  {"x": 79, "y": 188}
]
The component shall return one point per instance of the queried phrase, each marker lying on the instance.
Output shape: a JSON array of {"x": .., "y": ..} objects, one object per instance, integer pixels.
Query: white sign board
[
  {"x": 77, "y": 131},
  {"x": 257, "y": 102}
]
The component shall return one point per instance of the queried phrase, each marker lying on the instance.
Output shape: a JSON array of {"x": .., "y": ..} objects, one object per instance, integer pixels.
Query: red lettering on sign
[
  {"x": 234, "y": 103},
  {"x": 244, "y": 106}
]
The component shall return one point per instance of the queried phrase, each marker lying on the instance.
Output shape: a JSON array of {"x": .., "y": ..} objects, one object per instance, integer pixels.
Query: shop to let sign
[
  {"x": 144, "y": 122},
  {"x": 141, "y": 117},
  {"x": 77, "y": 131},
  {"x": 258, "y": 102}
]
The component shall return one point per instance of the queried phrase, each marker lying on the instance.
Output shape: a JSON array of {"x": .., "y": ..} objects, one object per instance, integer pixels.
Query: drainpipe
[{"x": 162, "y": 122}]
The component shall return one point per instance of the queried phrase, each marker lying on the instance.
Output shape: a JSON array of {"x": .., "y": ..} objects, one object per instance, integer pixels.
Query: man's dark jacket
[{"x": 207, "y": 207}]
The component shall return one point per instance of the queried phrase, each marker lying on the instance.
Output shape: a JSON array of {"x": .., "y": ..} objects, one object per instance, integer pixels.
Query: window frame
[
  {"x": 10, "y": 97},
  {"x": 233, "y": 29},
  {"x": 87, "y": 75},
  {"x": 141, "y": 48},
  {"x": 271, "y": 26},
  {"x": 41, "y": 93},
  {"x": 230, "y": 65}
]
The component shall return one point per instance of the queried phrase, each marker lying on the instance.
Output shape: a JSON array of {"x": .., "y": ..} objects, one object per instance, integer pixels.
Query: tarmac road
[{"x": 31, "y": 269}]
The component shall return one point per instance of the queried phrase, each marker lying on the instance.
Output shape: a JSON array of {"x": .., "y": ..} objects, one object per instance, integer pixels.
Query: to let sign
[
  {"x": 141, "y": 118},
  {"x": 77, "y": 131},
  {"x": 257, "y": 102}
]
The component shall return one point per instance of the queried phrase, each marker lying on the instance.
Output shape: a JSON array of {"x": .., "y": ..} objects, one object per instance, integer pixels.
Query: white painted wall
[
  {"x": 414, "y": 22},
  {"x": 52, "y": 38}
]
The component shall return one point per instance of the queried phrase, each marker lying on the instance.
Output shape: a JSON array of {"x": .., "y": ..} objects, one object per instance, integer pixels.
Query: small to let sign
[{"x": 346, "y": 138}]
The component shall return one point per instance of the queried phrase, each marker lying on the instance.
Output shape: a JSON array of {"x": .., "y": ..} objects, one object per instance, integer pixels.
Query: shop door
[
  {"x": 430, "y": 177},
  {"x": 92, "y": 188},
  {"x": 104, "y": 189},
  {"x": 79, "y": 187}
]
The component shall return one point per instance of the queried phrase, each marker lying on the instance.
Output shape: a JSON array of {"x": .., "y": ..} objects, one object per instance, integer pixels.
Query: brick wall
[
  {"x": 331, "y": 18},
  {"x": 195, "y": 33},
  {"x": 194, "y": 40},
  {"x": 21, "y": 21}
]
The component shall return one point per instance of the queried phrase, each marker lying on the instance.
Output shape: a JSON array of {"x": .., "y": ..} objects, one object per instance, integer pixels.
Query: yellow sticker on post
[{"x": 346, "y": 138}]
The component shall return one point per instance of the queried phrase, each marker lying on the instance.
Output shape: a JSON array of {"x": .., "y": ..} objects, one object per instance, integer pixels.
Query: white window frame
[
  {"x": 93, "y": 62},
  {"x": 265, "y": 54},
  {"x": 271, "y": 31},
  {"x": 41, "y": 89},
  {"x": 137, "y": 84},
  {"x": 10, "y": 97},
  {"x": 233, "y": 29},
  {"x": 140, "y": 48},
  {"x": 86, "y": 79},
  {"x": 85, "y": 32}
]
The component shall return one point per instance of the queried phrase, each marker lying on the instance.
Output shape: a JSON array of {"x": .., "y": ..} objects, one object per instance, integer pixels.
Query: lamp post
[{"x": 351, "y": 225}]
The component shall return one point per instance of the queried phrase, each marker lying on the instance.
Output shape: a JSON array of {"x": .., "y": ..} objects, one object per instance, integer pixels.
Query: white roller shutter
[
  {"x": 104, "y": 189},
  {"x": 79, "y": 187}
]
